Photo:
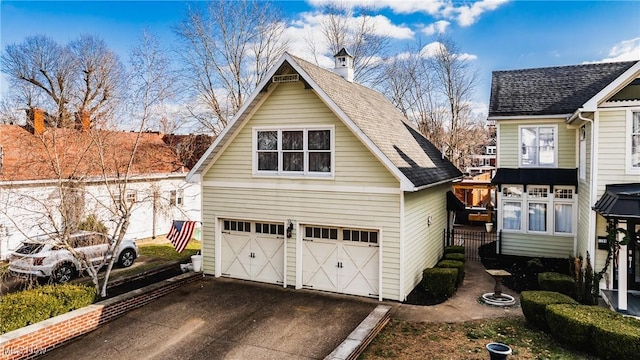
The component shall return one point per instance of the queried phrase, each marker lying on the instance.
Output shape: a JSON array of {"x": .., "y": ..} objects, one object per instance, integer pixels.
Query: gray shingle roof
[
  {"x": 419, "y": 160},
  {"x": 551, "y": 90}
]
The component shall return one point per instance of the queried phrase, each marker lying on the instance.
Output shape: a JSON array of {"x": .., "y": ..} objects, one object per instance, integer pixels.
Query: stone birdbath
[{"x": 497, "y": 298}]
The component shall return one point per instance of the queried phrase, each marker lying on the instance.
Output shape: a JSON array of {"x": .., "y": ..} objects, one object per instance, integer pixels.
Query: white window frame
[
  {"x": 631, "y": 170},
  {"x": 491, "y": 150},
  {"x": 293, "y": 174},
  {"x": 550, "y": 201},
  {"x": 555, "y": 146},
  {"x": 176, "y": 197}
]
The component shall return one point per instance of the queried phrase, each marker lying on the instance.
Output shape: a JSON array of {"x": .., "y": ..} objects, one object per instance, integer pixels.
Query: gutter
[
  {"x": 436, "y": 183},
  {"x": 91, "y": 180}
]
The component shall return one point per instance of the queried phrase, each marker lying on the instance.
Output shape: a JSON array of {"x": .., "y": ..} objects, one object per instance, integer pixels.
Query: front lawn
[
  {"x": 416, "y": 340},
  {"x": 153, "y": 255}
]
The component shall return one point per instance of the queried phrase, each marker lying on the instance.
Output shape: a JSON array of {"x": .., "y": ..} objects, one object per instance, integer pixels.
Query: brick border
[{"x": 37, "y": 339}]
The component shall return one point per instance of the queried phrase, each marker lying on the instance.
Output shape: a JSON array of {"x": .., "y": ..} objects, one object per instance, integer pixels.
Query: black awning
[
  {"x": 453, "y": 203},
  {"x": 531, "y": 176},
  {"x": 620, "y": 201}
]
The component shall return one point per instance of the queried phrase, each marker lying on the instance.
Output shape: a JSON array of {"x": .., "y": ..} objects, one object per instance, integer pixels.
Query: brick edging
[{"x": 37, "y": 339}]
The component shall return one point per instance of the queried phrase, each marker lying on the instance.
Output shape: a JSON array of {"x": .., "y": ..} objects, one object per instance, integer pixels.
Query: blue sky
[{"x": 496, "y": 34}]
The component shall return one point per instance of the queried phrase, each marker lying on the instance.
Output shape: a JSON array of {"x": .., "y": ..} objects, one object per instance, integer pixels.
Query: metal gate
[{"x": 471, "y": 240}]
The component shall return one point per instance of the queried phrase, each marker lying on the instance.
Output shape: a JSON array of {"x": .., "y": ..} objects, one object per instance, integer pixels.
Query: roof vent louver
[{"x": 286, "y": 78}]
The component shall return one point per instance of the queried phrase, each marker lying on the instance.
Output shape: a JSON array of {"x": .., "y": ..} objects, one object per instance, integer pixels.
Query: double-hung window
[
  {"x": 547, "y": 212},
  {"x": 538, "y": 146},
  {"x": 633, "y": 141},
  {"x": 306, "y": 151}
]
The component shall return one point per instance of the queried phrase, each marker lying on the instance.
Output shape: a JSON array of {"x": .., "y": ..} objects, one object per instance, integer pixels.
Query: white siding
[
  {"x": 537, "y": 245},
  {"x": 363, "y": 192},
  {"x": 423, "y": 243},
  {"x": 611, "y": 150}
]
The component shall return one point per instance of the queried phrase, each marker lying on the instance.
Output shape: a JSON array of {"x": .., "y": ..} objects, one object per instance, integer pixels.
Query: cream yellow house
[
  {"x": 319, "y": 183},
  {"x": 568, "y": 162}
]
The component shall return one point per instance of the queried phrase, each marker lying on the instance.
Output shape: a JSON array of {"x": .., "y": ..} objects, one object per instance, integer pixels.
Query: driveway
[{"x": 226, "y": 319}]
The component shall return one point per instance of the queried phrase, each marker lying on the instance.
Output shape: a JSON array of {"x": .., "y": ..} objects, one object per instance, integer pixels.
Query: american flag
[{"x": 180, "y": 234}]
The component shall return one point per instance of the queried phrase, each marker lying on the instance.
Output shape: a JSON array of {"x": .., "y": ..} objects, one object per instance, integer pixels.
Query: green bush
[
  {"x": 91, "y": 223},
  {"x": 455, "y": 265},
  {"x": 454, "y": 250},
  {"x": 617, "y": 338},
  {"x": 28, "y": 307},
  {"x": 454, "y": 256},
  {"x": 439, "y": 282},
  {"x": 573, "y": 324},
  {"x": 553, "y": 281},
  {"x": 534, "y": 304}
]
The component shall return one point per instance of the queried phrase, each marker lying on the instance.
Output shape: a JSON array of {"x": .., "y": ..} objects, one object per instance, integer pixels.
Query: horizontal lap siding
[
  {"x": 537, "y": 245},
  {"x": 306, "y": 207},
  {"x": 251, "y": 197},
  {"x": 510, "y": 149},
  {"x": 423, "y": 243},
  {"x": 291, "y": 105},
  {"x": 612, "y": 150}
]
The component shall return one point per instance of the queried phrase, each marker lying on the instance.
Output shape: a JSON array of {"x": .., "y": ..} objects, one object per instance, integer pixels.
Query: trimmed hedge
[
  {"x": 454, "y": 256},
  {"x": 572, "y": 324},
  {"x": 553, "y": 281},
  {"x": 439, "y": 282},
  {"x": 454, "y": 265},
  {"x": 28, "y": 307},
  {"x": 618, "y": 338},
  {"x": 534, "y": 304},
  {"x": 454, "y": 249}
]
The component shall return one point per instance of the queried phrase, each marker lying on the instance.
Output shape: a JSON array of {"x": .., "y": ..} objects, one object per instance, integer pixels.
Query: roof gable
[
  {"x": 69, "y": 153},
  {"x": 369, "y": 115},
  {"x": 557, "y": 90}
]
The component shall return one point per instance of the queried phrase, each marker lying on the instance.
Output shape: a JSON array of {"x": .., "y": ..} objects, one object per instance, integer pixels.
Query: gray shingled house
[
  {"x": 569, "y": 162},
  {"x": 318, "y": 182}
]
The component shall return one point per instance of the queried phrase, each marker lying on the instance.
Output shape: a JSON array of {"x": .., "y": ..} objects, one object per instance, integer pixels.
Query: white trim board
[{"x": 302, "y": 187}]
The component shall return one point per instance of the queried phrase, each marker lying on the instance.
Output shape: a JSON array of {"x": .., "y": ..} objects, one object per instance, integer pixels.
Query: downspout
[{"x": 594, "y": 185}]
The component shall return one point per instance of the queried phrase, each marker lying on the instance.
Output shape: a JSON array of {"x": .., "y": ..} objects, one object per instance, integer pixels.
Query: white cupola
[{"x": 344, "y": 64}]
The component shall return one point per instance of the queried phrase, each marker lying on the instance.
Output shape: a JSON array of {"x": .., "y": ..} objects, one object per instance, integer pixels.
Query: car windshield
[{"x": 29, "y": 248}]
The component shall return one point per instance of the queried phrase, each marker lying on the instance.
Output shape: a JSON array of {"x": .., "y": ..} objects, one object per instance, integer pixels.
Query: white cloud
[
  {"x": 464, "y": 15},
  {"x": 437, "y": 27},
  {"x": 467, "y": 15},
  {"x": 625, "y": 51},
  {"x": 430, "y": 50}
]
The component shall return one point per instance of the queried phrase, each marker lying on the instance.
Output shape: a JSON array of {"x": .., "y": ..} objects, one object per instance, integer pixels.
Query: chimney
[
  {"x": 35, "y": 122},
  {"x": 344, "y": 64},
  {"x": 83, "y": 121}
]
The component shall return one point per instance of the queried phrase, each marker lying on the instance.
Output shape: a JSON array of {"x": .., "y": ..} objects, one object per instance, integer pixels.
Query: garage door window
[
  {"x": 321, "y": 233},
  {"x": 273, "y": 229},
  {"x": 360, "y": 236},
  {"x": 231, "y": 225},
  {"x": 344, "y": 234}
]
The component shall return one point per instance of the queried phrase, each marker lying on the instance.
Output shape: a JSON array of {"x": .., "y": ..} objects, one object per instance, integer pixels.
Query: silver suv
[{"x": 43, "y": 256}]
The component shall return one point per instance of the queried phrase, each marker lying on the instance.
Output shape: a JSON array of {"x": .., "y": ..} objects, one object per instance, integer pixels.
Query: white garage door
[
  {"x": 253, "y": 251},
  {"x": 341, "y": 260}
]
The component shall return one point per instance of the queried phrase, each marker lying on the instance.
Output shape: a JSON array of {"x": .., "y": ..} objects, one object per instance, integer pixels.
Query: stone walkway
[{"x": 464, "y": 305}]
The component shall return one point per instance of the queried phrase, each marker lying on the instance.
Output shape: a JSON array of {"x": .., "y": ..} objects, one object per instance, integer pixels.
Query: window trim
[
  {"x": 293, "y": 174},
  {"x": 524, "y": 200},
  {"x": 555, "y": 145},
  {"x": 630, "y": 170}
]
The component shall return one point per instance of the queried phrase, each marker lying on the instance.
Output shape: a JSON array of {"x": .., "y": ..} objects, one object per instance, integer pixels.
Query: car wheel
[
  {"x": 126, "y": 258},
  {"x": 63, "y": 273}
]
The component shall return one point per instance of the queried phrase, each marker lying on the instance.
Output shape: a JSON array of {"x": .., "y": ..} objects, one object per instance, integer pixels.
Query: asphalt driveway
[{"x": 226, "y": 319}]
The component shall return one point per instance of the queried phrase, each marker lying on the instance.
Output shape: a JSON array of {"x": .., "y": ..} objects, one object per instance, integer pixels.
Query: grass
[
  {"x": 467, "y": 340},
  {"x": 165, "y": 251}
]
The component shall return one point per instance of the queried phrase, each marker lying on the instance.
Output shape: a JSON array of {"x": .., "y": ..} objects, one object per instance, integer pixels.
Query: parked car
[{"x": 44, "y": 257}]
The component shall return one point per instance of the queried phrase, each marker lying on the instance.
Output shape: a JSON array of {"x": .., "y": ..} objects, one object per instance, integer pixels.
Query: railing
[{"x": 471, "y": 240}]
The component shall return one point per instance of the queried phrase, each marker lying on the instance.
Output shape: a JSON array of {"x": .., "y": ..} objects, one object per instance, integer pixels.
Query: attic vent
[{"x": 285, "y": 78}]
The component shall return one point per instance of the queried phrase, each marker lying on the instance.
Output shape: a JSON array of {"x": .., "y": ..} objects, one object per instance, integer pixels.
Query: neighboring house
[
  {"x": 569, "y": 161},
  {"x": 485, "y": 160},
  {"x": 37, "y": 161},
  {"x": 319, "y": 183}
]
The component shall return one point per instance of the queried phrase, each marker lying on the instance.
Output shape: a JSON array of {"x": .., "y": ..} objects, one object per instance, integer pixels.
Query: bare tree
[
  {"x": 432, "y": 86},
  {"x": 78, "y": 79},
  {"x": 227, "y": 49},
  {"x": 342, "y": 27}
]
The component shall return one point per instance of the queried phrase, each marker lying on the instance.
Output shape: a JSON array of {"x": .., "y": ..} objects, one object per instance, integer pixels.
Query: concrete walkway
[{"x": 464, "y": 305}]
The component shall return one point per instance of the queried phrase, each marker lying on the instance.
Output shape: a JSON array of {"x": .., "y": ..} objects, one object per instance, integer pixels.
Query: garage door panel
[
  {"x": 319, "y": 265},
  {"x": 236, "y": 253},
  {"x": 359, "y": 273},
  {"x": 268, "y": 262}
]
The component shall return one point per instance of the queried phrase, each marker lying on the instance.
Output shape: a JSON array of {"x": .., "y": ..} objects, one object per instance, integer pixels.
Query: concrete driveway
[{"x": 226, "y": 319}]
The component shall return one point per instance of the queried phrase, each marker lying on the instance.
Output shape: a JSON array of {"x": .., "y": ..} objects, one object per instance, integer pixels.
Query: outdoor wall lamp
[
  {"x": 289, "y": 228},
  {"x": 429, "y": 220}
]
